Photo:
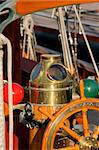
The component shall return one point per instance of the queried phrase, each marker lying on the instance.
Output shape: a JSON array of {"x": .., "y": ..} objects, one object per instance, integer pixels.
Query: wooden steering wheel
[
  {"x": 87, "y": 139},
  {"x": 82, "y": 141}
]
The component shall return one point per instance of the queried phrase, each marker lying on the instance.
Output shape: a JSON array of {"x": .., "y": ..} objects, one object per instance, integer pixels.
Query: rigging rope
[
  {"x": 2, "y": 117},
  {"x": 64, "y": 41},
  {"x": 29, "y": 40},
  {"x": 87, "y": 43},
  {"x": 10, "y": 102}
]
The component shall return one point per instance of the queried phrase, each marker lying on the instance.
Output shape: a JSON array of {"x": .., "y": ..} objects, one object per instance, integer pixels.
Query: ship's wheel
[{"x": 62, "y": 136}]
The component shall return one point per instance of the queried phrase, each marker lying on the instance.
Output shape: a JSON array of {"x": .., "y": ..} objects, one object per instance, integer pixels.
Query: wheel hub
[{"x": 89, "y": 143}]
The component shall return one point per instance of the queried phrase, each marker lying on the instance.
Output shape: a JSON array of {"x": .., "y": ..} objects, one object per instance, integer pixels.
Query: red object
[{"x": 18, "y": 93}]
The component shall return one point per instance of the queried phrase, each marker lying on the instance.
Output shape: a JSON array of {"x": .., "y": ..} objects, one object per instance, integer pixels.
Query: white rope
[
  {"x": 9, "y": 66},
  {"x": 65, "y": 44},
  {"x": 53, "y": 12},
  {"x": 74, "y": 57},
  {"x": 87, "y": 43},
  {"x": 4, "y": 12},
  {"x": 28, "y": 25},
  {"x": 10, "y": 95},
  {"x": 24, "y": 42},
  {"x": 2, "y": 117}
]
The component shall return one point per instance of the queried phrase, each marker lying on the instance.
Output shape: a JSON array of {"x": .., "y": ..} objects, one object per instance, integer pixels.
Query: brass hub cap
[{"x": 89, "y": 143}]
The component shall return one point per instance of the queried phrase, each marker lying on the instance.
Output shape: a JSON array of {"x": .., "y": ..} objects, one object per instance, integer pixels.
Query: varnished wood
[
  {"x": 12, "y": 32},
  {"x": 28, "y": 6}
]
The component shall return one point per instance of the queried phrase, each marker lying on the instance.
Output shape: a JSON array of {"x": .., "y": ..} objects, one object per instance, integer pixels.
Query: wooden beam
[{"x": 29, "y": 6}]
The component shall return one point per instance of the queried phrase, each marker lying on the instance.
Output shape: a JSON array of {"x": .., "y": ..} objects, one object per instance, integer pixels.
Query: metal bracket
[{"x": 12, "y": 15}]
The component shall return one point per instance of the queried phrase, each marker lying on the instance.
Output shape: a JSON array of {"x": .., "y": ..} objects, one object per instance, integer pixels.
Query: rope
[
  {"x": 9, "y": 66},
  {"x": 87, "y": 43},
  {"x": 74, "y": 57},
  {"x": 29, "y": 37},
  {"x": 2, "y": 117},
  {"x": 64, "y": 41}
]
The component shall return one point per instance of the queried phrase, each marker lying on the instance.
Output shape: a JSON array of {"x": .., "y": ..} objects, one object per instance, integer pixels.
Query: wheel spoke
[
  {"x": 76, "y": 147},
  {"x": 85, "y": 122},
  {"x": 71, "y": 133},
  {"x": 96, "y": 132}
]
